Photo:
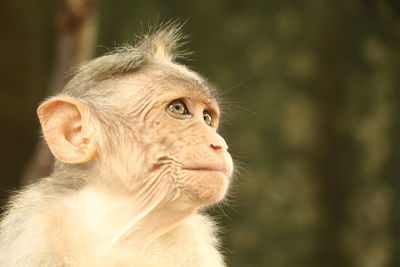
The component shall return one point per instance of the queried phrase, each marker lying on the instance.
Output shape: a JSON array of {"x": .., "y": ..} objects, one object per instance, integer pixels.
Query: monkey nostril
[{"x": 216, "y": 147}]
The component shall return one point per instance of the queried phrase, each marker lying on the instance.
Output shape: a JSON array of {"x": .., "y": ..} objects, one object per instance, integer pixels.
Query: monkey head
[{"x": 137, "y": 121}]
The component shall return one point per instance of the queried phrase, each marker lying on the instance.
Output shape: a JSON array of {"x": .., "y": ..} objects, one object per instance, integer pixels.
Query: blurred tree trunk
[
  {"x": 330, "y": 166},
  {"x": 76, "y": 26}
]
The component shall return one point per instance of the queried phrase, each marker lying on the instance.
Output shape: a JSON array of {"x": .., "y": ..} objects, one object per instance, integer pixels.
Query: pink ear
[{"x": 63, "y": 122}]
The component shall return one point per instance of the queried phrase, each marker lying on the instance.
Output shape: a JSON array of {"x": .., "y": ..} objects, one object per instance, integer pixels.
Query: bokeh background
[{"x": 313, "y": 100}]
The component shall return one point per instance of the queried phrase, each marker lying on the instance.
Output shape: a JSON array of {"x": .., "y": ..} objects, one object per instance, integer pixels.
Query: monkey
[{"x": 138, "y": 157}]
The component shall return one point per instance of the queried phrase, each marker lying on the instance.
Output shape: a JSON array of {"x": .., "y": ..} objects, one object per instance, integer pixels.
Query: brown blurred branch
[{"x": 76, "y": 27}]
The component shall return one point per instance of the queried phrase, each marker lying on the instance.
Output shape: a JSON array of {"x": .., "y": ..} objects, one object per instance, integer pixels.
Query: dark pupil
[{"x": 177, "y": 107}]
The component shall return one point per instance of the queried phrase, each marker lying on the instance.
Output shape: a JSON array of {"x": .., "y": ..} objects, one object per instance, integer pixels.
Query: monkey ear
[{"x": 64, "y": 124}]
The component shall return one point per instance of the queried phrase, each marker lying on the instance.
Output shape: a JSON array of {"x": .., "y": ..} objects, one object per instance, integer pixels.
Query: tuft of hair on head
[{"x": 161, "y": 44}]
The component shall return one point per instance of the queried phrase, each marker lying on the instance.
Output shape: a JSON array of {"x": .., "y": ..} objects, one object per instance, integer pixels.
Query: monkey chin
[{"x": 208, "y": 187}]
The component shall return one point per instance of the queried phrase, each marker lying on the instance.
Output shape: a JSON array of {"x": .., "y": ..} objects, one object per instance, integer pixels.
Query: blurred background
[{"x": 313, "y": 105}]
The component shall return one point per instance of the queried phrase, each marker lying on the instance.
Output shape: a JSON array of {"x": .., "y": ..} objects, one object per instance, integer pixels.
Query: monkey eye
[
  {"x": 178, "y": 107},
  {"x": 207, "y": 117}
]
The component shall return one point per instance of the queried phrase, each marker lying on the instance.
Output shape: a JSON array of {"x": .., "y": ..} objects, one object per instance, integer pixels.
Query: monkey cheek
[{"x": 209, "y": 187}]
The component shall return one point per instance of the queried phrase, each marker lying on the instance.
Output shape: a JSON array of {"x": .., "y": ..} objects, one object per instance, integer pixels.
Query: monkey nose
[{"x": 215, "y": 147}]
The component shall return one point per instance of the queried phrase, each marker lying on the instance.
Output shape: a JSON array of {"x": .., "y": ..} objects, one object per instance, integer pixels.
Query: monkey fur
[{"x": 134, "y": 134}]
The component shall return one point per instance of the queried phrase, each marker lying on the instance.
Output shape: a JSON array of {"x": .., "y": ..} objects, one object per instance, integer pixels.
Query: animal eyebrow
[{"x": 206, "y": 89}]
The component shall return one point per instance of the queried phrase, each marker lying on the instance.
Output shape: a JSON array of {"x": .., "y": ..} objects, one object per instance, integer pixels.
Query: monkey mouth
[{"x": 219, "y": 170}]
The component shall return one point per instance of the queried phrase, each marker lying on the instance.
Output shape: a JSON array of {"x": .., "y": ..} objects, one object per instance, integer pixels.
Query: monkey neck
[
  {"x": 159, "y": 221},
  {"x": 145, "y": 215}
]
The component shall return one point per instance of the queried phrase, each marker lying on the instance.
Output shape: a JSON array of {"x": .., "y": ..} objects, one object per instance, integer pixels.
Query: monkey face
[
  {"x": 195, "y": 154},
  {"x": 177, "y": 127}
]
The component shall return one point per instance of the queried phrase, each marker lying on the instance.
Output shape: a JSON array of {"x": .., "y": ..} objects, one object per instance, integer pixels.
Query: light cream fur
[{"x": 130, "y": 175}]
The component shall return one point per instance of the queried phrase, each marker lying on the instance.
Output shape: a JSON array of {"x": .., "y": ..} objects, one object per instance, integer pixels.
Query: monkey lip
[{"x": 220, "y": 170}]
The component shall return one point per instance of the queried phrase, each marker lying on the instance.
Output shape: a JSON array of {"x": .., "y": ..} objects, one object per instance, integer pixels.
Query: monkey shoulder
[{"x": 25, "y": 224}]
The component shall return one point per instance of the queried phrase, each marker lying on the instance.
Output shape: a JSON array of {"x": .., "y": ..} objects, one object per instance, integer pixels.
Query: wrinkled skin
[{"x": 176, "y": 151}]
